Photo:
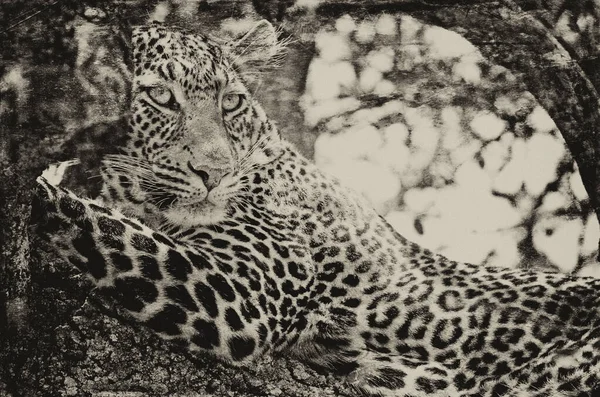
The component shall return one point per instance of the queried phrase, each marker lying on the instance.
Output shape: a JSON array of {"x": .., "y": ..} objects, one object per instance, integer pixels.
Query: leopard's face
[{"x": 195, "y": 132}]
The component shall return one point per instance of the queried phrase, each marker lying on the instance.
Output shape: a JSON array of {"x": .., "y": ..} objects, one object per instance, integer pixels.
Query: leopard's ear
[{"x": 257, "y": 51}]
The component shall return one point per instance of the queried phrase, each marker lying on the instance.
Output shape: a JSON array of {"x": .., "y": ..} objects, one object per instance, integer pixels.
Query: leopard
[{"x": 219, "y": 236}]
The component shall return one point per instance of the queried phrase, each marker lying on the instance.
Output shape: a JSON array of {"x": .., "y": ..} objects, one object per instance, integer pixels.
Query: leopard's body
[{"x": 219, "y": 236}]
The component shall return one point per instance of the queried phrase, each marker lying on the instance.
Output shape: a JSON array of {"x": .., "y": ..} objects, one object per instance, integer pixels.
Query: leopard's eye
[
  {"x": 162, "y": 96},
  {"x": 231, "y": 102}
]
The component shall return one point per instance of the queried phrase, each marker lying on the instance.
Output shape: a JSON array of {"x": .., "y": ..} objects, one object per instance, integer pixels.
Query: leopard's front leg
[{"x": 176, "y": 289}]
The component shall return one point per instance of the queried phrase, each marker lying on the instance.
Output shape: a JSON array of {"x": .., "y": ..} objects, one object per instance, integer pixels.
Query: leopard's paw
[
  {"x": 55, "y": 210},
  {"x": 46, "y": 194},
  {"x": 55, "y": 173}
]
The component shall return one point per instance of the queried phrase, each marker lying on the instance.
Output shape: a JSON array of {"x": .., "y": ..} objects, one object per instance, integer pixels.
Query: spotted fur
[{"x": 220, "y": 237}]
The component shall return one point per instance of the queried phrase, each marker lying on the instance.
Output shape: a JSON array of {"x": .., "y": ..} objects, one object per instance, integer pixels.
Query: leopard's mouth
[
  {"x": 198, "y": 206},
  {"x": 197, "y": 213},
  {"x": 168, "y": 200},
  {"x": 208, "y": 201},
  {"x": 203, "y": 207}
]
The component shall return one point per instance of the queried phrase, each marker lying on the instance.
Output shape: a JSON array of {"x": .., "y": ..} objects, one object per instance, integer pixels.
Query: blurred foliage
[
  {"x": 460, "y": 157},
  {"x": 577, "y": 25},
  {"x": 42, "y": 32},
  {"x": 38, "y": 31},
  {"x": 577, "y": 22}
]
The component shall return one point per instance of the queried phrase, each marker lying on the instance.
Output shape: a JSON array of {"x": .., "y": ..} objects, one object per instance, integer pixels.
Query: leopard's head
[{"x": 195, "y": 132}]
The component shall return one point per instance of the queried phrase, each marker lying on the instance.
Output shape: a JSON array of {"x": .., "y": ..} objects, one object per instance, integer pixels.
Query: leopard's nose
[
  {"x": 210, "y": 176},
  {"x": 200, "y": 172}
]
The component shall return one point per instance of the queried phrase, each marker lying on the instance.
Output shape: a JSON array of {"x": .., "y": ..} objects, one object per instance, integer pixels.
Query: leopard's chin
[{"x": 198, "y": 214}]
